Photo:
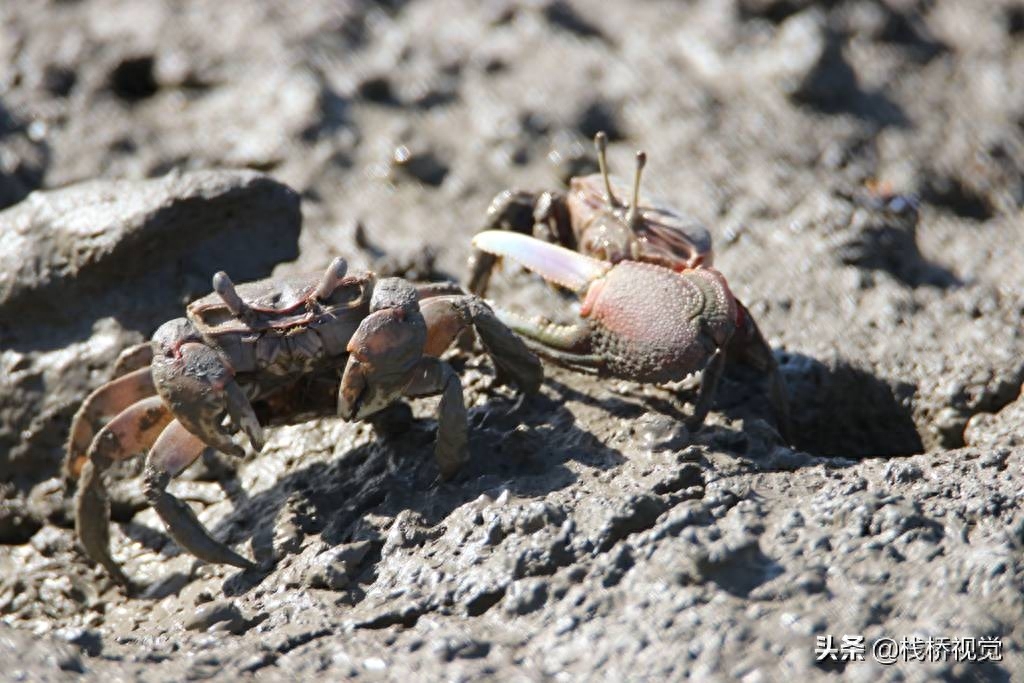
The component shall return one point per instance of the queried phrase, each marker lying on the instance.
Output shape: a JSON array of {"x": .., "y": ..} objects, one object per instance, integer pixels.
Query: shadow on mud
[
  {"x": 837, "y": 411},
  {"x": 846, "y": 411},
  {"x": 521, "y": 447}
]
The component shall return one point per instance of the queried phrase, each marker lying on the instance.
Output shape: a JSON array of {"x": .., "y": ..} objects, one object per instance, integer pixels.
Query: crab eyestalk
[
  {"x": 332, "y": 277},
  {"x": 633, "y": 216},
  {"x": 601, "y": 142},
  {"x": 225, "y": 289}
]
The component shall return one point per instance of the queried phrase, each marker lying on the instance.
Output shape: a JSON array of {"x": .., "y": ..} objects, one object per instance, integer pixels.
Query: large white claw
[{"x": 554, "y": 263}]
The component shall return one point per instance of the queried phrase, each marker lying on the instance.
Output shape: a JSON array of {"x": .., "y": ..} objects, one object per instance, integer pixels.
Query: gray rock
[{"x": 85, "y": 269}]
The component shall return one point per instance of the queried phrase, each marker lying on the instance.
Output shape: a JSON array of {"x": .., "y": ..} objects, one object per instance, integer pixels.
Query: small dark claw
[
  {"x": 195, "y": 379},
  {"x": 383, "y": 352},
  {"x": 242, "y": 414}
]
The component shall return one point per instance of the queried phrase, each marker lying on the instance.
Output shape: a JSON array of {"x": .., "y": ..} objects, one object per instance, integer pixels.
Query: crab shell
[
  {"x": 285, "y": 329},
  {"x": 658, "y": 235}
]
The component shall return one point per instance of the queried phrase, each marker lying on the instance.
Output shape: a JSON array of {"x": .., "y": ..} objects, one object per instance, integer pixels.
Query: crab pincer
[
  {"x": 638, "y": 321},
  {"x": 395, "y": 351}
]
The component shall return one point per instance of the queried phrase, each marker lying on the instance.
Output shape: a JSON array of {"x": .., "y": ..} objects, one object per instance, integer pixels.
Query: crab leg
[
  {"x": 433, "y": 376},
  {"x": 109, "y": 399},
  {"x": 133, "y": 358},
  {"x": 708, "y": 384},
  {"x": 133, "y": 430},
  {"x": 176, "y": 449},
  {"x": 565, "y": 344},
  {"x": 448, "y": 316},
  {"x": 748, "y": 346},
  {"x": 510, "y": 210}
]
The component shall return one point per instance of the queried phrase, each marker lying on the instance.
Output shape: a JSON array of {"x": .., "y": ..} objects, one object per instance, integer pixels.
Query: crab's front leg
[
  {"x": 199, "y": 385},
  {"x": 431, "y": 377},
  {"x": 448, "y": 316},
  {"x": 132, "y": 382}
]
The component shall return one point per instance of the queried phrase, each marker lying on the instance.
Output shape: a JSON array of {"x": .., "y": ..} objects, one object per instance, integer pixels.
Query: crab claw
[
  {"x": 384, "y": 351},
  {"x": 556, "y": 264},
  {"x": 200, "y": 388}
]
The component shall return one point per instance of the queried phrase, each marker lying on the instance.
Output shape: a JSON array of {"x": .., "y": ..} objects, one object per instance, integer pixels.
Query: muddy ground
[{"x": 859, "y": 163}]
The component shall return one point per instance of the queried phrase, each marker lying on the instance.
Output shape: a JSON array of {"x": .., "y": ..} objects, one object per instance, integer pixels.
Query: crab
[
  {"x": 195, "y": 384},
  {"x": 654, "y": 309}
]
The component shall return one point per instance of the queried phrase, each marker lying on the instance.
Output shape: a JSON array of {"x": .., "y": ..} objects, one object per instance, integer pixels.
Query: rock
[
  {"x": 222, "y": 614},
  {"x": 72, "y": 258},
  {"x": 86, "y": 240},
  {"x": 423, "y": 165},
  {"x": 525, "y": 596},
  {"x": 336, "y": 569}
]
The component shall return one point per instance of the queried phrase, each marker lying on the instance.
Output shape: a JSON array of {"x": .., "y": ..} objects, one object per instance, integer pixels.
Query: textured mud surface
[{"x": 590, "y": 535}]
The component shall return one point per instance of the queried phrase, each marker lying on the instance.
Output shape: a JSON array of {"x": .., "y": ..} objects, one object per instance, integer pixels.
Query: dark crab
[
  {"x": 195, "y": 384},
  {"x": 654, "y": 309}
]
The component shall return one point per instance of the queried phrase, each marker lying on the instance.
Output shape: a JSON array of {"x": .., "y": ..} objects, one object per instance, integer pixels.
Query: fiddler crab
[
  {"x": 194, "y": 385},
  {"x": 654, "y": 310}
]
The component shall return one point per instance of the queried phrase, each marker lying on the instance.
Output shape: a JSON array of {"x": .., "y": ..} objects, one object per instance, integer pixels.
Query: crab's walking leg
[
  {"x": 133, "y": 430},
  {"x": 748, "y": 346},
  {"x": 432, "y": 377},
  {"x": 109, "y": 399},
  {"x": 133, "y": 358},
  {"x": 175, "y": 450},
  {"x": 447, "y": 316},
  {"x": 708, "y": 384}
]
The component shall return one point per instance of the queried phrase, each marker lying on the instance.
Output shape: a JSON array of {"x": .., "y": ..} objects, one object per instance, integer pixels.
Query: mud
[{"x": 860, "y": 166}]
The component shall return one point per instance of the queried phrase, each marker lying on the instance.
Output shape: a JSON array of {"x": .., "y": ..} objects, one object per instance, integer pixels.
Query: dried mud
[{"x": 861, "y": 166}]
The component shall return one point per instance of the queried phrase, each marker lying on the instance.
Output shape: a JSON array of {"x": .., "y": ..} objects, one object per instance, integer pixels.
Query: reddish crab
[
  {"x": 654, "y": 310},
  {"x": 195, "y": 384}
]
